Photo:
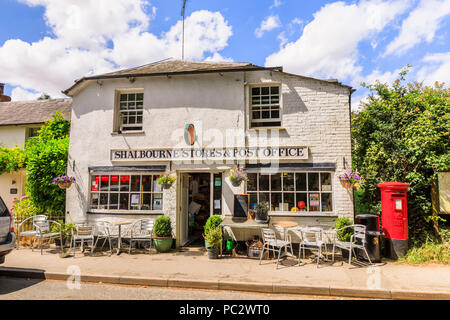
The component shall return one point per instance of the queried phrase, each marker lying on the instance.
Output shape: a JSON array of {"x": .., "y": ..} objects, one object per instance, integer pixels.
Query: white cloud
[
  {"x": 328, "y": 46},
  {"x": 436, "y": 68},
  {"x": 98, "y": 36},
  {"x": 421, "y": 25},
  {"x": 276, "y": 3},
  {"x": 20, "y": 94},
  {"x": 269, "y": 23},
  {"x": 216, "y": 57}
]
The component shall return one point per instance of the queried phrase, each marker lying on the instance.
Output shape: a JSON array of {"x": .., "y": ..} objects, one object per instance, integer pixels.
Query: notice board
[{"x": 240, "y": 208}]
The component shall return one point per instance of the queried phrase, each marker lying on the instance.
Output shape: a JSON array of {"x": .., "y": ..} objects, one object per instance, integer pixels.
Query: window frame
[
  {"x": 295, "y": 192},
  {"x": 250, "y": 86},
  {"x": 98, "y": 210},
  {"x": 117, "y": 126}
]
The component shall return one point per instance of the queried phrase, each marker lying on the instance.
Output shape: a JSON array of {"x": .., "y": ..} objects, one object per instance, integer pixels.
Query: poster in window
[
  {"x": 95, "y": 183},
  {"x": 314, "y": 200},
  {"x": 135, "y": 199}
]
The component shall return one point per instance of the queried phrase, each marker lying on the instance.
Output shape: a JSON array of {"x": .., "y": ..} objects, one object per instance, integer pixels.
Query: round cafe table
[
  {"x": 285, "y": 225},
  {"x": 119, "y": 240}
]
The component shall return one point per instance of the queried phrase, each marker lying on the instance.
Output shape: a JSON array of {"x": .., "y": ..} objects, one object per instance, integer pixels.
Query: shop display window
[{"x": 137, "y": 192}]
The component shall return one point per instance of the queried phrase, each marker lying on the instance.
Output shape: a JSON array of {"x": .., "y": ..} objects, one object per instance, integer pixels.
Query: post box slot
[{"x": 398, "y": 195}]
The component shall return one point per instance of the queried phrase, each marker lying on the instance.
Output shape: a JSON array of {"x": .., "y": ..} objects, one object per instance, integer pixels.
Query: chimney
[{"x": 3, "y": 98}]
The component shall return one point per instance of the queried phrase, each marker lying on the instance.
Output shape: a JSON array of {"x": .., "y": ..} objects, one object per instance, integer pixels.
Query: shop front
[{"x": 289, "y": 134}]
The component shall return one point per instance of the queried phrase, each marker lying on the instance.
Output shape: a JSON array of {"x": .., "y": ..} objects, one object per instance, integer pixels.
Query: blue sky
[{"x": 46, "y": 44}]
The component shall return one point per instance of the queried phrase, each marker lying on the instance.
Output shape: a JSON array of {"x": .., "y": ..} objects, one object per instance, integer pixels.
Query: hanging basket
[
  {"x": 65, "y": 185},
  {"x": 347, "y": 184},
  {"x": 236, "y": 183},
  {"x": 166, "y": 185}
]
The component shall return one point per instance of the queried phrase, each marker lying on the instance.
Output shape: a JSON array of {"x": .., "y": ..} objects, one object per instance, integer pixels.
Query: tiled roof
[{"x": 32, "y": 112}]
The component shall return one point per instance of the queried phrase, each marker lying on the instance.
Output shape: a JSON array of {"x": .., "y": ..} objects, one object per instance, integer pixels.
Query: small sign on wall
[{"x": 13, "y": 191}]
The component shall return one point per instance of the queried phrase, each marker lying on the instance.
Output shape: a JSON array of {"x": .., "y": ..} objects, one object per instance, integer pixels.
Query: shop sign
[{"x": 211, "y": 154}]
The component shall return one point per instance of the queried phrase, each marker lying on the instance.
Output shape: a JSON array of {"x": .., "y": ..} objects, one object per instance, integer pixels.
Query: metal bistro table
[
  {"x": 119, "y": 240},
  {"x": 285, "y": 225}
]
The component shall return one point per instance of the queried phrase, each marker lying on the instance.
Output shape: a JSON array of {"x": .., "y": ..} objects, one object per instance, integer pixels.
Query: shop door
[{"x": 184, "y": 222}]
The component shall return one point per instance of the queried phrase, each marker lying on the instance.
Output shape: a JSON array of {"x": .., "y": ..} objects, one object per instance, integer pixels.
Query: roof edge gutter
[{"x": 159, "y": 74}]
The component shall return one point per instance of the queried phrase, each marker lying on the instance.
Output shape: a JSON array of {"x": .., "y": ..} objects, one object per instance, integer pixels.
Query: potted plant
[
  {"x": 236, "y": 177},
  {"x": 162, "y": 237},
  {"x": 66, "y": 232},
  {"x": 63, "y": 182},
  {"x": 212, "y": 222},
  {"x": 261, "y": 211},
  {"x": 214, "y": 238},
  {"x": 345, "y": 234},
  {"x": 350, "y": 180},
  {"x": 166, "y": 181}
]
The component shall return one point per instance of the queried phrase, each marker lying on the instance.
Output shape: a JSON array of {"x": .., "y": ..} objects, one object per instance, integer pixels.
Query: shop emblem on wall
[{"x": 189, "y": 134}]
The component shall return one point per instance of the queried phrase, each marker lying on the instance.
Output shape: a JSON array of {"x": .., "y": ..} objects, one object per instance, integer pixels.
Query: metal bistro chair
[
  {"x": 103, "y": 232},
  {"x": 357, "y": 240},
  {"x": 142, "y": 230},
  {"x": 41, "y": 230},
  {"x": 311, "y": 239},
  {"x": 83, "y": 233},
  {"x": 270, "y": 240}
]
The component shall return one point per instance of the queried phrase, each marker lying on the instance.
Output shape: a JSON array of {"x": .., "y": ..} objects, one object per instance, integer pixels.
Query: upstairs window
[
  {"x": 265, "y": 106},
  {"x": 131, "y": 106}
]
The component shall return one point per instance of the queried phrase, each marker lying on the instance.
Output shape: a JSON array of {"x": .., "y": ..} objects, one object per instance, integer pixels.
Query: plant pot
[
  {"x": 261, "y": 216},
  {"x": 65, "y": 241},
  {"x": 206, "y": 244},
  {"x": 166, "y": 185},
  {"x": 162, "y": 244},
  {"x": 344, "y": 253},
  {"x": 65, "y": 185},
  {"x": 213, "y": 253},
  {"x": 236, "y": 183}
]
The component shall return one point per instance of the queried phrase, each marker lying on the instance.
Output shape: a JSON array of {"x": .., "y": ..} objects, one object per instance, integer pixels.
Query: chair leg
[
  {"x": 279, "y": 252},
  {"x": 367, "y": 254},
  {"x": 131, "y": 241},
  {"x": 332, "y": 257},
  {"x": 318, "y": 256},
  {"x": 262, "y": 253},
  {"x": 40, "y": 243},
  {"x": 350, "y": 250}
]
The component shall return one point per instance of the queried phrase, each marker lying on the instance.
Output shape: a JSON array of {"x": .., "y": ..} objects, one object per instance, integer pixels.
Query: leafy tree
[
  {"x": 46, "y": 159},
  {"x": 44, "y": 96},
  {"x": 402, "y": 134}
]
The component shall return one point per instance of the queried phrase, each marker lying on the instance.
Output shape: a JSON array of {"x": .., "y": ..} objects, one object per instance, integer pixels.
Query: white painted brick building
[{"x": 123, "y": 120}]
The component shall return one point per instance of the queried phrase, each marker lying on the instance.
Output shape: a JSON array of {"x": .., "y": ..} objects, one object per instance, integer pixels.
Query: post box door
[{"x": 400, "y": 216}]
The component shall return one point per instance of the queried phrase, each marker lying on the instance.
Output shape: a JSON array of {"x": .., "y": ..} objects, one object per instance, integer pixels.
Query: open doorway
[{"x": 199, "y": 207}]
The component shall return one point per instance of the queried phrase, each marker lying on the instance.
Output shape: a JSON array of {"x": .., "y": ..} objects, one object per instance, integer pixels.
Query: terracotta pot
[{"x": 166, "y": 185}]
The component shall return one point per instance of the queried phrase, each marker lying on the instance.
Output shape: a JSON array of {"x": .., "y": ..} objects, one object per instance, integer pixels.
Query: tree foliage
[
  {"x": 46, "y": 159},
  {"x": 12, "y": 159},
  {"x": 402, "y": 134}
]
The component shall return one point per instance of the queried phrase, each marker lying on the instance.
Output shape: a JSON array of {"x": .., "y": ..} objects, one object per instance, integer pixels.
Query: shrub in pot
[
  {"x": 343, "y": 235},
  {"x": 66, "y": 232},
  {"x": 214, "y": 237},
  {"x": 212, "y": 222},
  {"x": 261, "y": 211},
  {"x": 162, "y": 237}
]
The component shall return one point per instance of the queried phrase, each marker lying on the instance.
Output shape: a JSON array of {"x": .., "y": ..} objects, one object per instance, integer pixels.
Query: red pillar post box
[{"x": 394, "y": 218}]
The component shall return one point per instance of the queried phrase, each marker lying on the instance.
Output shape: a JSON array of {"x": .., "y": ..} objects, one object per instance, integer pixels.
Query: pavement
[{"x": 193, "y": 269}]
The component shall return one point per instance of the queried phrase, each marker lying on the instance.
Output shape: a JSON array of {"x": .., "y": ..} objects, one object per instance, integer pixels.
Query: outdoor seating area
[
  {"x": 287, "y": 239},
  {"x": 84, "y": 235},
  {"x": 282, "y": 240}
]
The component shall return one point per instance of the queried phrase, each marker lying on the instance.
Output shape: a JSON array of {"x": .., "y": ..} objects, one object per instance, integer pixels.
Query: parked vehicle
[{"x": 7, "y": 235}]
